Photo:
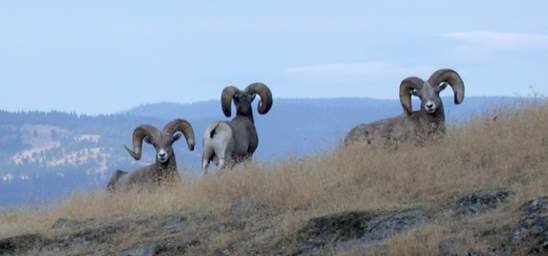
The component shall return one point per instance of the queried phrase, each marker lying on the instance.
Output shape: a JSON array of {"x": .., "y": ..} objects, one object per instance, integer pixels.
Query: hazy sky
[{"x": 103, "y": 56}]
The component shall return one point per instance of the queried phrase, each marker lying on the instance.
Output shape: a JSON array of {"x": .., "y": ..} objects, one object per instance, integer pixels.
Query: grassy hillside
[
  {"x": 45, "y": 156},
  {"x": 461, "y": 193}
]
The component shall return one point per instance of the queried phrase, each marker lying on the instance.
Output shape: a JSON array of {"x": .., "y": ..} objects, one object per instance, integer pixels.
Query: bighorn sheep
[
  {"x": 230, "y": 142},
  {"x": 413, "y": 126},
  {"x": 164, "y": 169}
]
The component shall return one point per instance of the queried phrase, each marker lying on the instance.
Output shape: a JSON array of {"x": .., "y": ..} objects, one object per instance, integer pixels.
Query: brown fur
[
  {"x": 412, "y": 126},
  {"x": 164, "y": 169}
]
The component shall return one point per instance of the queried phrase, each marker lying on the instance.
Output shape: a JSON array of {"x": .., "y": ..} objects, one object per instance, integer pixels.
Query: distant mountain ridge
[
  {"x": 46, "y": 155},
  {"x": 212, "y": 108}
]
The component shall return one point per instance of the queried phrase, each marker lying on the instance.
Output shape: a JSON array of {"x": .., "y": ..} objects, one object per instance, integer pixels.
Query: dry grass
[{"x": 509, "y": 152}]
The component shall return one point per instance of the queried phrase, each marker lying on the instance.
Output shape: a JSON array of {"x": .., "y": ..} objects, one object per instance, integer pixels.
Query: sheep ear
[
  {"x": 148, "y": 140},
  {"x": 176, "y": 137},
  {"x": 441, "y": 87}
]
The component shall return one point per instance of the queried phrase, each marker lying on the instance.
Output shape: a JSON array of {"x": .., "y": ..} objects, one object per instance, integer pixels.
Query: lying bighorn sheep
[
  {"x": 164, "y": 169},
  {"x": 231, "y": 142},
  {"x": 413, "y": 126}
]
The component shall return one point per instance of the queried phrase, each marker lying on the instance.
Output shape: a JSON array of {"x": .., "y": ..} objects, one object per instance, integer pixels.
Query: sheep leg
[
  {"x": 207, "y": 157},
  {"x": 222, "y": 162},
  {"x": 248, "y": 160}
]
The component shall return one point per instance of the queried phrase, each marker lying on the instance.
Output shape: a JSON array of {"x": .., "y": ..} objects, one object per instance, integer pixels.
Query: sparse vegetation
[
  {"x": 262, "y": 209},
  {"x": 77, "y": 158}
]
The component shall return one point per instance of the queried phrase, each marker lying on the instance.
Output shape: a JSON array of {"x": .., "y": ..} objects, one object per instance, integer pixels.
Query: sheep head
[
  {"x": 243, "y": 99},
  {"x": 161, "y": 140},
  {"x": 429, "y": 91}
]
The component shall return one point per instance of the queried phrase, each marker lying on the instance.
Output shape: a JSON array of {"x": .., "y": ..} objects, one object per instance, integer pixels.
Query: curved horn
[
  {"x": 226, "y": 99},
  {"x": 183, "y": 126},
  {"x": 406, "y": 87},
  {"x": 266, "y": 96},
  {"x": 452, "y": 78},
  {"x": 139, "y": 134}
]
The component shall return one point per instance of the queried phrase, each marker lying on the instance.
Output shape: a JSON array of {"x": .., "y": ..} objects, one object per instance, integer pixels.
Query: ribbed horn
[
  {"x": 266, "y": 96},
  {"x": 406, "y": 86},
  {"x": 453, "y": 79},
  {"x": 183, "y": 126},
  {"x": 226, "y": 99},
  {"x": 139, "y": 134}
]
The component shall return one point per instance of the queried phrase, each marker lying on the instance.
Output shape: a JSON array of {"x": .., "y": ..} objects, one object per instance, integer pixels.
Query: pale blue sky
[{"x": 104, "y": 56}]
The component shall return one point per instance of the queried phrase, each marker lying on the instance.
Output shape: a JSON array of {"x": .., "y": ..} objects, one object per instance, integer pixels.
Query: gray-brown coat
[
  {"x": 164, "y": 169},
  {"x": 229, "y": 142},
  {"x": 413, "y": 126}
]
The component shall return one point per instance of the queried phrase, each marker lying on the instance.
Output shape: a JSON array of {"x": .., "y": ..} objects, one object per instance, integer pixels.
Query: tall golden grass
[{"x": 509, "y": 151}]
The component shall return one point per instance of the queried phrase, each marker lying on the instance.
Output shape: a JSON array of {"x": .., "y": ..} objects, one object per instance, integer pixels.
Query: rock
[
  {"x": 386, "y": 226},
  {"x": 234, "y": 224},
  {"x": 335, "y": 228},
  {"x": 532, "y": 232},
  {"x": 351, "y": 228},
  {"x": 87, "y": 236},
  {"x": 96, "y": 235},
  {"x": 164, "y": 247},
  {"x": 175, "y": 223},
  {"x": 140, "y": 250},
  {"x": 267, "y": 234},
  {"x": 448, "y": 246},
  {"x": 537, "y": 206},
  {"x": 481, "y": 201},
  {"x": 20, "y": 244},
  {"x": 469, "y": 252},
  {"x": 65, "y": 223},
  {"x": 146, "y": 221},
  {"x": 530, "y": 235},
  {"x": 197, "y": 219},
  {"x": 59, "y": 223}
]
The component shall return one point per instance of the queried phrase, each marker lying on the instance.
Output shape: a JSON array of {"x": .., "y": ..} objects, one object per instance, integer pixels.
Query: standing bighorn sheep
[
  {"x": 164, "y": 169},
  {"x": 230, "y": 142},
  {"x": 413, "y": 126}
]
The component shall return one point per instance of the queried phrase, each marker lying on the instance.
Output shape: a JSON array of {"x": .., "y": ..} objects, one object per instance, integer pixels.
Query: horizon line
[{"x": 211, "y": 100}]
